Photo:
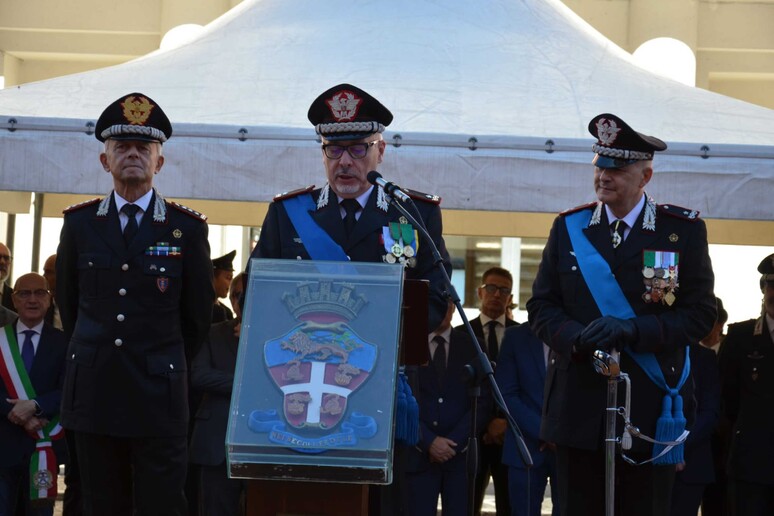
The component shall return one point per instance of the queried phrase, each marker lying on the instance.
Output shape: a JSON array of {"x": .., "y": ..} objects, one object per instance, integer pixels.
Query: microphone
[{"x": 375, "y": 178}]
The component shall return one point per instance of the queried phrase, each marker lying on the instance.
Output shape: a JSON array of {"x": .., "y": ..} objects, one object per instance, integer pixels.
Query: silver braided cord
[
  {"x": 141, "y": 130},
  {"x": 349, "y": 127},
  {"x": 620, "y": 153}
]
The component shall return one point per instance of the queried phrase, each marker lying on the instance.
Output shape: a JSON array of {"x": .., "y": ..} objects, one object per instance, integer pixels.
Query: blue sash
[
  {"x": 611, "y": 300},
  {"x": 317, "y": 242}
]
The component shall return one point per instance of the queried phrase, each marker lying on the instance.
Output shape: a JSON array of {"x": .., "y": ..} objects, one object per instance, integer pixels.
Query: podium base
[{"x": 287, "y": 498}]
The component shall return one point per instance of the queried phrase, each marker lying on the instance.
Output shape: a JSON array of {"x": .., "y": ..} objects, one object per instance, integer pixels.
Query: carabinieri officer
[
  {"x": 622, "y": 273},
  {"x": 135, "y": 295}
]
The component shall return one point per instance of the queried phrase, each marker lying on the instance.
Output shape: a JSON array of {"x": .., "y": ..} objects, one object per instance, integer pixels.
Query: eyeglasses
[
  {"x": 491, "y": 289},
  {"x": 6, "y": 257},
  {"x": 26, "y": 294},
  {"x": 355, "y": 150}
]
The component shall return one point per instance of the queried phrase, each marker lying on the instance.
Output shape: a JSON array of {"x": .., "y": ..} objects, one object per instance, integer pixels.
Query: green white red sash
[{"x": 43, "y": 464}]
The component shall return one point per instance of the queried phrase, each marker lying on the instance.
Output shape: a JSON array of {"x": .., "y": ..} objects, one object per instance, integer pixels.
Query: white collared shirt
[
  {"x": 142, "y": 203},
  {"x": 362, "y": 199},
  {"x": 21, "y": 327},
  {"x": 630, "y": 218},
  {"x": 446, "y": 335},
  {"x": 499, "y": 329}
]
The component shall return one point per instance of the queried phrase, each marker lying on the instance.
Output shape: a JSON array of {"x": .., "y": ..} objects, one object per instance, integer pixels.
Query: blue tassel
[
  {"x": 670, "y": 426},
  {"x": 406, "y": 414}
]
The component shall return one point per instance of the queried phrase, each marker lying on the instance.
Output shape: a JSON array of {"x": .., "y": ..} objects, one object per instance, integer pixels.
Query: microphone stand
[{"x": 476, "y": 371}]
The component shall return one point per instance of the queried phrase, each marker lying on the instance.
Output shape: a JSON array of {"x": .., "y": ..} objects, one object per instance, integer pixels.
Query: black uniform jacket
[
  {"x": 133, "y": 319},
  {"x": 747, "y": 383},
  {"x": 279, "y": 239},
  {"x": 562, "y": 306}
]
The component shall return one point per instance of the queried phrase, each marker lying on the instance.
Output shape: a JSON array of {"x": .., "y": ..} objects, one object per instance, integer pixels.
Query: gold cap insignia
[
  {"x": 177, "y": 233},
  {"x": 137, "y": 110},
  {"x": 673, "y": 237}
]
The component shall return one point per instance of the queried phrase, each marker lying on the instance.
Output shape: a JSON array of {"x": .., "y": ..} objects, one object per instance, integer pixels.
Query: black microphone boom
[{"x": 375, "y": 178}]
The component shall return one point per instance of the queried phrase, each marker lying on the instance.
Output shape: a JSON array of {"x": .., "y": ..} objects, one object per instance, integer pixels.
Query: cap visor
[{"x": 608, "y": 162}]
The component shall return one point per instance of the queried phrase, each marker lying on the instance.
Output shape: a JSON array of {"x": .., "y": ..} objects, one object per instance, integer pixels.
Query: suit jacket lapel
[
  {"x": 599, "y": 236},
  {"x": 109, "y": 229},
  {"x": 329, "y": 219},
  {"x": 536, "y": 349},
  {"x": 149, "y": 232}
]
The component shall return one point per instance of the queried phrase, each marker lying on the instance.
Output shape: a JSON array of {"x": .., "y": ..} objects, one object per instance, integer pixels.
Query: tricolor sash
[
  {"x": 43, "y": 464},
  {"x": 611, "y": 300}
]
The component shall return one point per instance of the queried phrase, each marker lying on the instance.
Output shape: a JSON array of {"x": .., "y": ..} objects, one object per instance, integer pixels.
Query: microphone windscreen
[{"x": 372, "y": 176}]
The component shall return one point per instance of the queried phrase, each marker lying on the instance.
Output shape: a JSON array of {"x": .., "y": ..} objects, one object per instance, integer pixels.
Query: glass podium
[{"x": 315, "y": 380}]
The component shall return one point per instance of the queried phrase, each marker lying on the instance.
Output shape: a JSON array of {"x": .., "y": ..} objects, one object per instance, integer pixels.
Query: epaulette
[
  {"x": 578, "y": 208},
  {"x": 419, "y": 196},
  {"x": 188, "y": 211},
  {"x": 81, "y": 205},
  {"x": 293, "y": 193},
  {"x": 679, "y": 212}
]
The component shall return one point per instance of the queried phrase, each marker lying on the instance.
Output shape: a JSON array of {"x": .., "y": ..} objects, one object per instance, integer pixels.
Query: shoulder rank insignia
[
  {"x": 420, "y": 196},
  {"x": 80, "y": 205},
  {"x": 188, "y": 211},
  {"x": 578, "y": 208},
  {"x": 287, "y": 195},
  {"x": 679, "y": 212}
]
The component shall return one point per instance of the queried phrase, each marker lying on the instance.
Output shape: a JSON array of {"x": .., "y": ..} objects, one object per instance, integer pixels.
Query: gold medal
[
  {"x": 646, "y": 297},
  {"x": 397, "y": 249},
  {"x": 669, "y": 298},
  {"x": 408, "y": 251},
  {"x": 390, "y": 258},
  {"x": 177, "y": 233},
  {"x": 403, "y": 220}
]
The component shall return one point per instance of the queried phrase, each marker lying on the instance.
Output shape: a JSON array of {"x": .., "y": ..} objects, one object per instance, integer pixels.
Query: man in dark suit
[
  {"x": 521, "y": 375},
  {"x": 437, "y": 465},
  {"x": 697, "y": 470},
  {"x": 6, "y": 258},
  {"x": 212, "y": 374},
  {"x": 494, "y": 295},
  {"x": 135, "y": 295},
  {"x": 26, "y": 410},
  {"x": 620, "y": 274},
  {"x": 746, "y": 363}
]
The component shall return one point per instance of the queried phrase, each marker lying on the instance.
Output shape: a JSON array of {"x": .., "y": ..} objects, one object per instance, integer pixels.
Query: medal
[
  {"x": 648, "y": 272},
  {"x": 408, "y": 251},
  {"x": 669, "y": 298},
  {"x": 390, "y": 258},
  {"x": 397, "y": 249}
]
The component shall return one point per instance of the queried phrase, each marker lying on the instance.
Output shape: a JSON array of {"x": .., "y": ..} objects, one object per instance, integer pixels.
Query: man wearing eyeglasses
[
  {"x": 353, "y": 218},
  {"x": 350, "y": 211},
  {"x": 32, "y": 358},
  {"x": 494, "y": 295},
  {"x": 6, "y": 259}
]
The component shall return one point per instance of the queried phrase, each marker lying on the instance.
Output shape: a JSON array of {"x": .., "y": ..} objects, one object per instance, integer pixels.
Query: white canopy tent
[{"x": 491, "y": 101}]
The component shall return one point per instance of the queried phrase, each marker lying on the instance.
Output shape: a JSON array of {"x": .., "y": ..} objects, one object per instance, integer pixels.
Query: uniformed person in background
[
  {"x": 746, "y": 363},
  {"x": 348, "y": 218},
  {"x": 222, "y": 274},
  {"x": 135, "y": 296},
  {"x": 625, "y": 274}
]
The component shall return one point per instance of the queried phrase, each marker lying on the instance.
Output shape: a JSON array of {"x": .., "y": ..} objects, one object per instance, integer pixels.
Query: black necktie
[
  {"x": 619, "y": 226},
  {"x": 439, "y": 358},
  {"x": 351, "y": 207},
  {"x": 491, "y": 341},
  {"x": 28, "y": 349},
  {"x": 131, "y": 226}
]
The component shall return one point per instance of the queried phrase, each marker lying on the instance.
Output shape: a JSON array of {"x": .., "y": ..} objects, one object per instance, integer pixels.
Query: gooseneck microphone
[{"x": 375, "y": 178}]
